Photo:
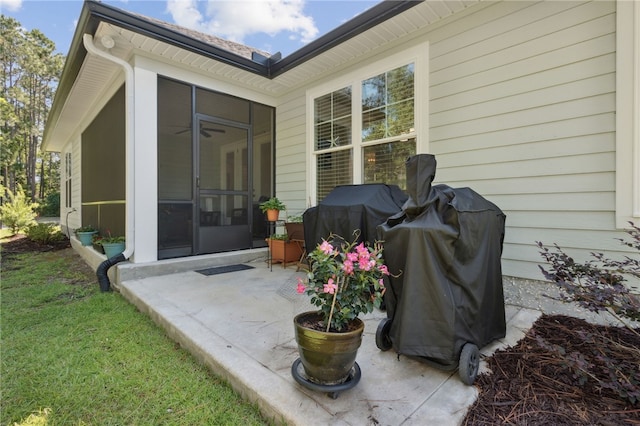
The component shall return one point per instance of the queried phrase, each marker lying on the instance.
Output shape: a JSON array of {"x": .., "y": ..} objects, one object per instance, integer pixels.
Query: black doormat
[{"x": 224, "y": 269}]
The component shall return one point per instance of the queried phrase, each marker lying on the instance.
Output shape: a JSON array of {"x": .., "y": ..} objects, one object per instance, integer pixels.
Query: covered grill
[
  {"x": 352, "y": 207},
  {"x": 447, "y": 300}
]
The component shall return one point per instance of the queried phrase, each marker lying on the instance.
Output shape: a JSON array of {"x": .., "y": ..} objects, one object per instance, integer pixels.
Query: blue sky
[{"x": 270, "y": 25}]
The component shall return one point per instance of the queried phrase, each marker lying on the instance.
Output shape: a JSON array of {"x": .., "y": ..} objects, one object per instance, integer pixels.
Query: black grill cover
[
  {"x": 447, "y": 243},
  {"x": 350, "y": 207}
]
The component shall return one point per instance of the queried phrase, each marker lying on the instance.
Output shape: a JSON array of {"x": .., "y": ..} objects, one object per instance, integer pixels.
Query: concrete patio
[{"x": 240, "y": 325}]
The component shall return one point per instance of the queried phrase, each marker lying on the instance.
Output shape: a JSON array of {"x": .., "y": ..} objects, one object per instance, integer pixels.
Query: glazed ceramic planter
[
  {"x": 327, "y": 357},
  {"x": 86, "y": 238},
  {"x": 113, "y": 249}
]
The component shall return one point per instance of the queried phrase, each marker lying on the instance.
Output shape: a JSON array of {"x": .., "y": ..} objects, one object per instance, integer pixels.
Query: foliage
[
  {"x": 45, "y": 233},
  {"x": 50, "y": 207},
  {"x": 344, "y": 282},
  {"x": 295, "y": 218},
  {"x": 107, "y": 239},
  {"x": 86, "y": 228},
  {"x": 272, "y": 204},
  {"x": 597, "y": 284},
  {"x": 278, "y": 237},
  {"x": 18, "y": 214},
  {"x": 93, "y": 358},
  {"x": 30, "y": 72}
]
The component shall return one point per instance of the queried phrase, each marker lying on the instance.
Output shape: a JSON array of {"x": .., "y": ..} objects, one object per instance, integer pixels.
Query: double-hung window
[{"x": 364, "y": 127}]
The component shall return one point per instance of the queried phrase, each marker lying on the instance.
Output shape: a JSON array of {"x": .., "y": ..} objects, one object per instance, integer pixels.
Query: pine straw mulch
[{"x": 562, "y": 373}]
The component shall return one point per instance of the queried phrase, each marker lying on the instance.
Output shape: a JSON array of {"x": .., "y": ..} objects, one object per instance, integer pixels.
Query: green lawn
[{"x": 92, "y": 358}]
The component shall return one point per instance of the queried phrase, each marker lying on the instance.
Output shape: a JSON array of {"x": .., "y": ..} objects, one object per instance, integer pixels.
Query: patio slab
[{"x": 240, "y": 324}]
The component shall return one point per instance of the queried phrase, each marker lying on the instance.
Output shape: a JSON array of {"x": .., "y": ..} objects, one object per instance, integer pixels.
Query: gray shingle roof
[{"x": 230, "y": 46}]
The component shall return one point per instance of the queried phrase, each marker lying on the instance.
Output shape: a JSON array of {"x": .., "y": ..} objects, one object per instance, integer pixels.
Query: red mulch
[{"x": 564, "y": 372}]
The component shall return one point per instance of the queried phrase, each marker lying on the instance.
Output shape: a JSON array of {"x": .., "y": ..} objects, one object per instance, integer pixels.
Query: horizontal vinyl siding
[
  {"x": 522, "y": 110},
  {"x": 291, "y": 161}
]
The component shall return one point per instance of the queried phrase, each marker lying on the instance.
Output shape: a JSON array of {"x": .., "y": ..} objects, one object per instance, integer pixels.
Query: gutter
[{"x": 102, "y": 270}]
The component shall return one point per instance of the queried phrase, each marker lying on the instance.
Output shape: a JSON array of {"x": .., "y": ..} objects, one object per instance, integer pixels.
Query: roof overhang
[{"x": 84, "y": 77}]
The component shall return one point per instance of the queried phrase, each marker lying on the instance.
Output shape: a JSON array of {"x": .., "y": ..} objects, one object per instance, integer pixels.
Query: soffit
[
  {"x": 360, "y": 46},
  {"x": 97, "y": 75}
]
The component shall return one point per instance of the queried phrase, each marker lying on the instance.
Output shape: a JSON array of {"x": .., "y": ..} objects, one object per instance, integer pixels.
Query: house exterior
[{"x": 172, "y": 137}]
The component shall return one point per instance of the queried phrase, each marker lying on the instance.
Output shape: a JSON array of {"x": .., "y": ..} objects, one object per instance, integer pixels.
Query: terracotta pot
[
  {"x": 327, "y": 358},
  {"x": 273, "y": 215},
  {"x": 284, "y": 252}
]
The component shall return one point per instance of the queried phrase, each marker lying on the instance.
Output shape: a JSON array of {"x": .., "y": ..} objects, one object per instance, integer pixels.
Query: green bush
[
  {"x": 50, "y": 207},
  {"x": 45, "y": 233},
  {"x": 19, "y": 213}
]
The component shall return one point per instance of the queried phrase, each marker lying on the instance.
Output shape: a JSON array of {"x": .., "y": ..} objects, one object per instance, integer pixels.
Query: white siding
[
  {"x": 291, "y": 153},
  {"x": 523, "y": 111}
]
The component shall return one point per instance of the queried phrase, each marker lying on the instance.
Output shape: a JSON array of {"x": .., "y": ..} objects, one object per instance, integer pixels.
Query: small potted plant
[
  {"x": 85, "y": 234},
  {"x": 112, "y": 246},
  {"x": 345, "y": 280},
  {"x": 272, "y": 208}
]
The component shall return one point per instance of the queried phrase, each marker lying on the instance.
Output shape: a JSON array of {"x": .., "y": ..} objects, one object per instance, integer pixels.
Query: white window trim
[
  {"x": 627, "y": 113},
  {"x": 418, "y": 55}
]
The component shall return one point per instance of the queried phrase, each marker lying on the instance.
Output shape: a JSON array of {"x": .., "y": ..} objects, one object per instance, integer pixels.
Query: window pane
[
  {"x": 333, "y": 169},
  {"x": 373, "y": 92},
  {"x": 333, "y": 119},
  {"x": 385, "y": 163},
  {"x": 388, "y": 104}
]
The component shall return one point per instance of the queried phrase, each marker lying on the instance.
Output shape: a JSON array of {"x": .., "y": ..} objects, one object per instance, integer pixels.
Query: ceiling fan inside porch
[{"x": 204, "y": 131}]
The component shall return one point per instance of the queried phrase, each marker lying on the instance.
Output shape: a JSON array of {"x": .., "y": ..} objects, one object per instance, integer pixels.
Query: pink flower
[
  {"x": 366, "y": 264},
  {"x": 353, "y": 257},
  {"x": 326, "y": 248},
  {"x": 361, "y": 249},
  {"x": 301, "y": 288},
  {"x": 384, "y": 269},
  {"x": 330, "y": 287},
  {"x": 381, "y": 282},
  {"x": 347, "y": 267}
]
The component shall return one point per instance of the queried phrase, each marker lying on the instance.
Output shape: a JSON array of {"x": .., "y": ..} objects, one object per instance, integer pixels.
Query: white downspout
[{"x": 129, "y": 135}]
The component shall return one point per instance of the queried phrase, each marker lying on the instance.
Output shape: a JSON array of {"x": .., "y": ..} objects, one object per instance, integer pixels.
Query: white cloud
[
  {"x": 10, "y": 5},
  {"x": 234, "y": 20}
]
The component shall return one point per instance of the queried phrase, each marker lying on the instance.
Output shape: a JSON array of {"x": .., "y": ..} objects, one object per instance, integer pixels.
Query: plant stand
[{"x": 333, "y": 391}]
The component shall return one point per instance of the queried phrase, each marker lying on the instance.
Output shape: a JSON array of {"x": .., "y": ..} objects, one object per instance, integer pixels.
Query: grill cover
[
  {"x": 447, "y": 244},
  {"x": 350, "y": 207}
]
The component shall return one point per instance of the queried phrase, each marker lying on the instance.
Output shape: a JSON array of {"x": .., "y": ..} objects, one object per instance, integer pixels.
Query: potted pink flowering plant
[{"x": 344, "y": 280}]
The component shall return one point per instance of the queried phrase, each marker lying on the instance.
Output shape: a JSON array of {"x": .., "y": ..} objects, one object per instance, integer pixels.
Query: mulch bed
[
  {"x": 21, "y": 244},
  {"x": 566, "y": 371}
]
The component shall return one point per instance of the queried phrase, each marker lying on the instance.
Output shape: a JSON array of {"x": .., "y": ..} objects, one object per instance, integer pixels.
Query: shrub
[
  {"x": 599, "y": 284},
  {"x": 50, "y": 206},
  {"x": 45, "y": 233},
  {"x": 18, "y": 214}
]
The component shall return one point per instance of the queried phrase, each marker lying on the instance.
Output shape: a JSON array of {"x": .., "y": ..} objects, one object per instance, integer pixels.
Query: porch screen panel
[
  {"x": 222, "y": 106},
  {"x": 175, "y": 169},
  {"x": 175, "y": 156}
]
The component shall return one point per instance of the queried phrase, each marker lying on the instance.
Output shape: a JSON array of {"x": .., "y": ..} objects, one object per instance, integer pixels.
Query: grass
[{"x": 78, "y": 356}]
